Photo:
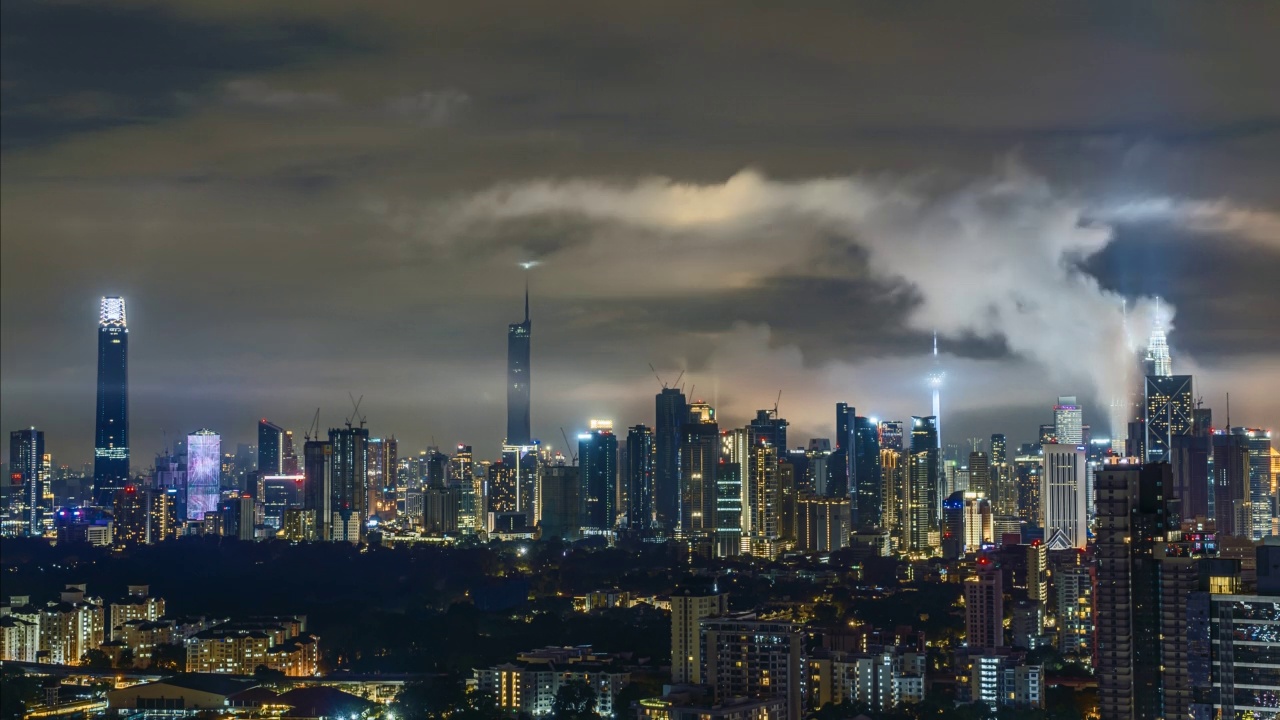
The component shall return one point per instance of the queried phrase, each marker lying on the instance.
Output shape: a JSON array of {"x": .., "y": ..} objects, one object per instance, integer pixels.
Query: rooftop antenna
[{"x": 1228, "y": 413}]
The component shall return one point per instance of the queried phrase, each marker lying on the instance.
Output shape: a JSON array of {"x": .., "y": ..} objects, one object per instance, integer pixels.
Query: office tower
[
  {"x": 840, "y": 467},
  {"x": 1258, "y": 443},
  {"x": 278, "y": 495},
  {"x": 1027, "y": 470},
  {"x": 984, "y": 606},
  {"x": 999, "y": 451},
  {"x": 979, "y": 524},
  {"x": 688, "y": 608},
  {"x": 559, "y": 504},
  {"x": 815, "y": 471},
  {"x": 868, "y": 485},
  {"x": 672, "y": 413},
  {"x": 1189, "y": 460},
  {"x": 519, "y": 379},
  {"x": 1067, "y": 422},
  {"x": 769, "y": 429},
  {"x": 348, "y": 483},
  {"x": 288, "y": 456},
  {"x": 1158, "y": 363},
  {"x": 598, "y": 467},
  {"x": 892, "y": 435},
  {"x": 745, "y": 657},
  {"x": 238, "y": 517},
  {"x": 270, "y": 448},
  {"x": 823, "y": 523},
  {"x": 980, "y": 474},
  {"x": 204, "y": 470},
  {"x": 699, "y": 456},
  {"x": 640, "y": 475},
  {"x": 922, "y": 483},
  {"x": 1063, "y": 491},
  {"x": 729, "y": 509},
  {"x": 1167, "y": 411},
  {"x": 763, "y": 492},
  {"x": 1132, "y": 523},
  {"x": 377, "y": 477},
  {"x": 317, "y": 464},
  {"x": 129, "y": 516},
  {"x": 953, "y": 526},
  {"x": 440, "y": 509},
  {"x": 111, "y": 437},
  {"x": 162, "y": 515},
  {"x": 1232, "y": 501},
  {"x": 26, "y": 467}
]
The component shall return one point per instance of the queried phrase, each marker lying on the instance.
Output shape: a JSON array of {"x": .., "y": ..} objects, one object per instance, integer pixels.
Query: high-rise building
[
  {"x": 1234, "y": 669},
  {"x": 640, "y": 476},
  {"x": 980, "y": 474},
  {"x": 26, "y": 468},
  {"x": 1158, "y": 363},
  {"x": 270, "y": 448},
  {"x": 1073, "y": 589},
  {"x": 1064, "y": 492},
  {"x": 729, "y": 509},
  {"x": 979, "y": 523},
  {"x": 1067, "y": 421},
  {"x": 519, "y": 379},
  {"x": 1258, "y": 443},
  {"x": 129, "y": 516},
  {"x": 289, "y": 457},
  {"x": 867, "y": 485},
  {"x": 840, "y": 469},
  {"x": 823, "y": 523},
  {"x": 1233, "y": 504},
  {"x": 348, "y": 483},
  {"x": 317, "y": 489},
  {"x": 111, "y": 437},
  {"x": 688, "y": 608},
  {"x": 769, "y": 428},
  {"x": 984, "y": 606},
  {"x": 999, "y": 449},
  {"x": 1189, "y": 460},
  {"x": 922, "y": 484},
  {"x": 1167, "y": 412},
  {"x": 672, "y": 412},
  {"x": 598, "y": 468},
  {"x": 763, "y": 492},
  {"x": 761, "y": 659},
  {"x": 559, "y": 504},
  {"x": 204, "y": 473},
  {"x": 1132, "y": 523},
  {"x": 699, "y": 458}
]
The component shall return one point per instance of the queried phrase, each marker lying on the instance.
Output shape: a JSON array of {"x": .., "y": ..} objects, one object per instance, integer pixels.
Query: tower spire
[{"x": 526, "y": 297}]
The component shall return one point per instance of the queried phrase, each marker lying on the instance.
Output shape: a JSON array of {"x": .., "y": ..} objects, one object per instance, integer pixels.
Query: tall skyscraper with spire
[
  {"x": 1158, "y": 361},
  {"x": 518, "y": 379},
  {"x": 111, "y": 436}
]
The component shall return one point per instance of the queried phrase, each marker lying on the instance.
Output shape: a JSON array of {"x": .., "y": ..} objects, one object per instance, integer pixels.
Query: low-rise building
[{"x": 529, "y": 685}]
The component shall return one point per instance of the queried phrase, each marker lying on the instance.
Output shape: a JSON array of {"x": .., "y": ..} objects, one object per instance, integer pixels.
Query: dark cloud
[{"x": 264, "y": 182}]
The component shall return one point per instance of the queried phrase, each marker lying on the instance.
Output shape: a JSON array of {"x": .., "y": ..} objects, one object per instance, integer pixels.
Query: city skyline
[{"x": 751, "y": 244}]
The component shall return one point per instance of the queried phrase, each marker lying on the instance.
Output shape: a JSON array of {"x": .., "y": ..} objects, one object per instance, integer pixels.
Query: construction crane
[
  {"x": 313, "y": 431},
  {"x": 355, "y": 412},
  {"x": 569, "y": 448},
  {"x": 776, "y": 403},
  {"x": 662, "y": 382}
]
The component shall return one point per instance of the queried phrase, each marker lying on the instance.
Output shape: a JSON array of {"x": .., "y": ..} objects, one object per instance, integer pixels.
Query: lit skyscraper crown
[
  {"x": 1158, "y": 360},
  {"x": 112, "y": 312}
]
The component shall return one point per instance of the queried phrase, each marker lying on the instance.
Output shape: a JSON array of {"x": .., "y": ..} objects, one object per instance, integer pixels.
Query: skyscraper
[
  {"x": 984, "y": 606},
  {"x": 1259, "y": 444},
  {"x": 1158, "y": 363},
  {"x": 922, "y": 483},
  {"x": 317, "y": 490},
  {"x": 349, "y": 483},
  {"x": 840, "y": 467},
  {"x": 1167, "y": 412},
  {"x": 699, "y": 458},
  {"x": 204, "y": 473},
  {"x": 1232, "y": 500},
  {"x": 867, "y": 485},
  {"x": 640, "y": 459},
  {"x": 672, "y": 413},
  {"x": 980, "y": 474},
  {"x": 26, "y": 467},
  {"x": 688, "y": 608},
  {"x": 519, "y": 378},
  {"x": 1068, "y": 425},
  {"x": 598, "y": 468},
  {"x": 111, "y": 438},
  {"x": 270, "y": 448},
  {"x": 1063, "y": 496}
]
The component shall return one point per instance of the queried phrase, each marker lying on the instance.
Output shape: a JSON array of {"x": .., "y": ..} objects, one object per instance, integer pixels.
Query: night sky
[{"x": 301, "y": 200}]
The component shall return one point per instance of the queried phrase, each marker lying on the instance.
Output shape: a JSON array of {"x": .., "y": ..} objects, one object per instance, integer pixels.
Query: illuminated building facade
[
  {"x": 1233, "y": 503},
  {"x": 1063, "y": 497},
  {"x": 984, "y": 606},
  {"x": 688, "y": 608},
  {"x": 746, "y": 657},
  {"x": 204, "y": 473},
  {"x": 349, "y": 483},
  {"x": 823, "y": 523},
  {"x": 270, "y": 448},
  {"x": 27, "y": 469},
  {"x": 922, "y": 484},
  {"x": 699, "y": 459},
  {"x": 1068, "y": 424},
  {"x": 1258, "y": 443},
  {"x": 598, "y": 468},
  {"x": 672, "y": 413},
  {"x": 640, "y": 476},
  {"x": 111, "y": 435},
  {"x": 1167, "y": 412},
  {"x": 867, "y": 482}
]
